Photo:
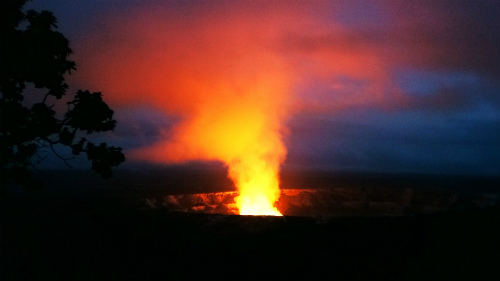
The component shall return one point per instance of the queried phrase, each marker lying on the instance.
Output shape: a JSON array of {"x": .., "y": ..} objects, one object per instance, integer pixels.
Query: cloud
[
  {"x": 165, "y": 52},
  {"x": 214, "y": 67},
  {"x": 199, "y": 61},
  {"x": 447, "y": 35}
]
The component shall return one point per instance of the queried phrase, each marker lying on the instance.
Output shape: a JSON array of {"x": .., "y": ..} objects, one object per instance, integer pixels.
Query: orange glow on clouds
[
  {"x": 230, "y": 91},
  {"x": 229, "y": 73}
]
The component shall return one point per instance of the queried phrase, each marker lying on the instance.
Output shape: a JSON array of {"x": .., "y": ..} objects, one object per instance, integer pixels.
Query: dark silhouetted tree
[{"x": 33, "y": 52}]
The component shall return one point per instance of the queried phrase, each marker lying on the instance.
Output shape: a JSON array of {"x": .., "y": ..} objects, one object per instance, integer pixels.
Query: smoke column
[
  {"x": 230, "y": 72},
  {"x": 216, "y": 71}
]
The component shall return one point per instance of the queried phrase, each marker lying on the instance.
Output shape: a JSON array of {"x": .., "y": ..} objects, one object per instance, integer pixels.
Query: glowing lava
[{"x": 258, "y": 186}]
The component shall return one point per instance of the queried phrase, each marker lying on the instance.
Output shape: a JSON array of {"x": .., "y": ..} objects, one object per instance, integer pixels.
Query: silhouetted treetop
[{"x": 33, "y": 52}]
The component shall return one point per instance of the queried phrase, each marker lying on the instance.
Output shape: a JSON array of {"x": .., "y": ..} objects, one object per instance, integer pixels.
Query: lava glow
[{"x": 258, "y": 185}]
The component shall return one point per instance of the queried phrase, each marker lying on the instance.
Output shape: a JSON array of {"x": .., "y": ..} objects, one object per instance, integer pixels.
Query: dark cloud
[
  {"x": 449, "y": 35},
  {"x": 443, "y": 100},
  {"x": 391, "y": 141}
]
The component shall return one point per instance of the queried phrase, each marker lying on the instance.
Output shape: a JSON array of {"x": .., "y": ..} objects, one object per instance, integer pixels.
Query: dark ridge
[{"x": 82, "y": 228}]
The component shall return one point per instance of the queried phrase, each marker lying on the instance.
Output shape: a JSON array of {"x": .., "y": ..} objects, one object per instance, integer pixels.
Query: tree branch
[
  {"x": 64, "y": 159},
  {"x": 45, "y": 98}
]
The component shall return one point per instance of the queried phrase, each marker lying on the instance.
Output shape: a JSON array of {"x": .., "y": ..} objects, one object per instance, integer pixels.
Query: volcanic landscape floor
[
  {"x": 85, "y": 240},
  {"x": 101, "y": 234}
]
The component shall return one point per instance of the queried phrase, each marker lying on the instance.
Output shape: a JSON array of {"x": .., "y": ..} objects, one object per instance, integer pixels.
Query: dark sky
[{"x": 395, "y": 86}]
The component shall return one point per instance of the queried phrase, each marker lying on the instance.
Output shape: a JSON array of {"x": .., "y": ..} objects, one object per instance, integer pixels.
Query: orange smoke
[
  {"x": 230, "y": 89},
  {"x": 229, "y": 72},
  {"x": 238, "y": 121}
]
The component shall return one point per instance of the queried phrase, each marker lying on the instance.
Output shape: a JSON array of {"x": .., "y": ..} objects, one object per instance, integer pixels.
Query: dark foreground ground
[{"x": 88, "y": 237}]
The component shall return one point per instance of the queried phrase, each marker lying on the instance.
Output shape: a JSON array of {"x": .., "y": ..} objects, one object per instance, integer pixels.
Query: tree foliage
[{"x": 33, "y": 52}]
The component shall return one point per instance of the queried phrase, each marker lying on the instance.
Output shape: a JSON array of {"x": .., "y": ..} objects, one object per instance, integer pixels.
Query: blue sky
[{"x": 390, "y": 86}]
